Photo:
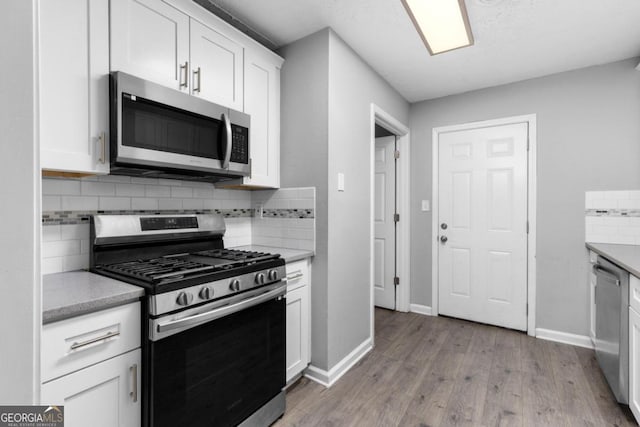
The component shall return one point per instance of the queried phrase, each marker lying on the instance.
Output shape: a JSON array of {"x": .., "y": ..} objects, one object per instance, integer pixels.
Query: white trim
[
  {"x": 381, "y": 117},
  {"x": 329, "y": 378},
  {"x": 530, "y": 119},
  {"x": 421, "y": 309},
  {"x": 564, "y": 338}
]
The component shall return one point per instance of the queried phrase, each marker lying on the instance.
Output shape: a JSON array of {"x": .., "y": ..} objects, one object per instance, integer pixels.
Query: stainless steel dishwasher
[{"x": 612, "y": 326}]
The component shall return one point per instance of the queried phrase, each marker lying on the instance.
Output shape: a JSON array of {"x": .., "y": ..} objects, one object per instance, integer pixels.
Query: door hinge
[
  {"x": 528, "y": 145},
  {"x": 527, "y": 227},
  {"x": 396, "y": 154},
  {"x": 396, "y": 217},
  {"x": 396, "y": 280}
]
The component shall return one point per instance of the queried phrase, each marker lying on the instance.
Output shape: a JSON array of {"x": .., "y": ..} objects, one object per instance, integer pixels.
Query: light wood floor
[{"x": 434, "y": 371}]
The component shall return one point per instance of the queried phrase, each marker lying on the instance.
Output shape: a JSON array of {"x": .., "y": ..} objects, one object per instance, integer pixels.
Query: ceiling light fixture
[{"x": 442, "y": 24}]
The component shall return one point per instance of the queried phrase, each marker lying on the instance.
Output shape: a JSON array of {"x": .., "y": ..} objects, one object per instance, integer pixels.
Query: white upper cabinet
[
  {"x": 74, "y": 86},
  {"x": 262, "y": 102},
  {"x": 216, "y": 67},
  {"x": 150, "y": 40}
]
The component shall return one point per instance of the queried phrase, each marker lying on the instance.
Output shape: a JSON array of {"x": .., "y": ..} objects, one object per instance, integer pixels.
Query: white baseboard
[
  {"x": 329, "y": 378},
  {"x": 564, "y": 338},
  {"x": 421, "y": 309}
]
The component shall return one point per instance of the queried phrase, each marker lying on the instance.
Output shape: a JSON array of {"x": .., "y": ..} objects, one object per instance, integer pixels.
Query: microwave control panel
[{"x": 239, "y": 144}]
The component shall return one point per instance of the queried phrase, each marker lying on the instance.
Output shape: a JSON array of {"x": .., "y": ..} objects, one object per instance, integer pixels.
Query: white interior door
[
  {"x": 482, "y": 270},
  {"x": 384, "y": 225}
]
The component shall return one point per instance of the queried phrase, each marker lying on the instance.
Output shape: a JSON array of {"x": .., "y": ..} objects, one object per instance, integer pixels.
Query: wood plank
[{"x": 503, "y": 405}]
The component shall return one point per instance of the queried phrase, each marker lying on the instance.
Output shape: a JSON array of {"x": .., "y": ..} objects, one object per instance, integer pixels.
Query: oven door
[
  {"x": 217, "y": 371},
  {"x": 164, "y": 128}
]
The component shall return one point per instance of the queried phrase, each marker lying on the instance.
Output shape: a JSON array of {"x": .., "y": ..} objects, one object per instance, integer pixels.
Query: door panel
[
  {"x": 384, "y": 209},
  {"x": 483, "y": 201}
]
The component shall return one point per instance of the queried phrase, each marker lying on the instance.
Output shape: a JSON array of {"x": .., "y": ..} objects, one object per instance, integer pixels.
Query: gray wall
[
  {"x": 327, "y": 91},
  {"x": 588, "y": 124},
  {"x": 353, "y": 86},
  {"x": 304, "y": 156},
  {"x": 20, "y": 307}
]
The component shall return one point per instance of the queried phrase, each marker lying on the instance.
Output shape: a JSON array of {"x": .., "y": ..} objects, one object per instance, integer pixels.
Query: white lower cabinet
[
  {"x": 91, "y": 365},
  {"x": 593, "y": 258},
  {"x": 103, "y": 395},
  {"x": 634, "y": 362},
  {"x": 298, "y": 318}
]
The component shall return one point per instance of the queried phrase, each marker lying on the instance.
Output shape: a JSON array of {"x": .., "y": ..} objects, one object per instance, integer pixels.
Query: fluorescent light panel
[{"x": 442, "y": 24}]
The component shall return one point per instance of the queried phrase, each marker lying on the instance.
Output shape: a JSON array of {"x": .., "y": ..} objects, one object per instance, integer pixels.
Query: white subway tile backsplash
[
  {"x": 169, "y": 182},
  {"x": 617, "y": 220},
  {"x": 114, "y": 203},
  {"x": 79, "y": 203},
  {"x": 51, "y": 233},
  {"x": 51, "y": 265},
  {"x": 169, "y": 204},
  {"x": 212, "y": 204},
  {"x": 89, "y": 188},
  {"x": 157, "y": 191},
  {"x": 181, "y": 192},
  {"x": 62, "y": 187},
  {"x": 60, "y": 248},
  {"x": 144, "y": 204},
  {"x": 114, "y": 178},
  {"x": 203, "y": 193},
  {"x": 75, "y": 262},
  {"x": 74, "y": 231},
  {"x": 151, "y": 181},
  {"x": 51, "y": 203},
  {"x": 192, "y": 204},
  {"x": 130, "y": 190}
]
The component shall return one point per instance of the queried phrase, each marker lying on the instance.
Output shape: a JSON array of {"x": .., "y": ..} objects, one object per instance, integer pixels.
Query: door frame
[
  {"x": 386, "y": 120},
  {"x": 530, "y": 119}
]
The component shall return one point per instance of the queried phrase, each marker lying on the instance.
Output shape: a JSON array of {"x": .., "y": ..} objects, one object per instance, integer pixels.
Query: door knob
[
  {"x": 443, "y": 239},
  {"x": 444, "y": 225}
]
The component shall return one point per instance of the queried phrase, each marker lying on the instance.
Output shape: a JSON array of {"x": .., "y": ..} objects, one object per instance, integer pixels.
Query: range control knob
[
  {"x": 234, "y": 285},
  {"x": 273, "y": 275},
  {"x": 206, "y": 293},
  {"x": 184, "y": 298},
  {"x": 260, "y": 279}
]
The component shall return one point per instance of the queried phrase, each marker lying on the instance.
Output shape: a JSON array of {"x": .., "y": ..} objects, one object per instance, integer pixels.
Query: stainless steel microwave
[{"x": 161, "y": 132}]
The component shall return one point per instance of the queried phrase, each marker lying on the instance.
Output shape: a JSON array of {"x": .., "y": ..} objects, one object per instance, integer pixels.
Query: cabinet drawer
[
  {"x": 634, "y": 293},
  {"x": 297, "y": 274},
  {"x": 72, "y": 344}
]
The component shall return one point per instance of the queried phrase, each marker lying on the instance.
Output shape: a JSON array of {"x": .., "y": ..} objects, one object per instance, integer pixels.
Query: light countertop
[
  {"x": 74, "y": 293},
  {"x": 626, "y": 256},
  {"x": 289, "y": 255}
]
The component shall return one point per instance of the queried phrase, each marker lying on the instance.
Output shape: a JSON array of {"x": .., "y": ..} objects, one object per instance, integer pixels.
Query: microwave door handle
[{"x": 227, "y": 152}]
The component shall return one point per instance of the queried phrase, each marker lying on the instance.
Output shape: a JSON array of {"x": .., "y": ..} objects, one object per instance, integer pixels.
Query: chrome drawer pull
[
  {"x": 77, "y": 345},
  {"x": 295, "y": 276},
  {"x": 134, "y": 373}
]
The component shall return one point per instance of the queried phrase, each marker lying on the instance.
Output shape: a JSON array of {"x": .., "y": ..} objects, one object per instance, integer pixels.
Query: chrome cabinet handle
[
  {"x": 184, "y": 72},
  {"x": 197, "y": 75},
  {"x": 77, "y": 345},
  {"x": 295, "y": 276},
  {"x": 598, "y": 270},
  {"x": 227, "y": 153},
  {"x": 102, "y": 140},
  {"x": 134, "y": 391}
]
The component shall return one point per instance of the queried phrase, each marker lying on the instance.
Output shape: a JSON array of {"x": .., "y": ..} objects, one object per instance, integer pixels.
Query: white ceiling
[{"x": 514, "y": 39}]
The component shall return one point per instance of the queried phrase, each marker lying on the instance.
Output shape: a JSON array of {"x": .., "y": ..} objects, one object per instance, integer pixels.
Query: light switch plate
[
  {"x": 340, "y": 181},
  {"x": 426, "y": 207}
]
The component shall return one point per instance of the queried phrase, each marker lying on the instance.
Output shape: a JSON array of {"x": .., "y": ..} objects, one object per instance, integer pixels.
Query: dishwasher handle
[{"x": 601, "y": 271}]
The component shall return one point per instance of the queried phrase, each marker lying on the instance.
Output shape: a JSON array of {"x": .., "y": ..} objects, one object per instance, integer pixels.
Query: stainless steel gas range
[{"x": 214, "y": 319}]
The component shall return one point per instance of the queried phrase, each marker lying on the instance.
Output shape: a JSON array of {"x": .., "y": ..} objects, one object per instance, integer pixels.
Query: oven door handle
[{"x": 208, "y": 316}]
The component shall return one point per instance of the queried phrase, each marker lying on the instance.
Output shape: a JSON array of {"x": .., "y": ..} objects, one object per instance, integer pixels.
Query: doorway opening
[
  {"x": 389, "y": 222},
  {"x": 484, "y": 222}
]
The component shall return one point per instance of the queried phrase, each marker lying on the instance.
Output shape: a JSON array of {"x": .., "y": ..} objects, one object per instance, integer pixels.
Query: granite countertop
[
  {"x": 73, "y": 293},
  {"x": 626, "y": 256},
  {"x": 289, "y": 255}
]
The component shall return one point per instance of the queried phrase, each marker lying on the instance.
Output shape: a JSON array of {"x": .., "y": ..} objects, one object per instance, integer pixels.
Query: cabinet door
[
  {"x": 150, "y": 40},
  {"x": 262, "y": 102},
  {"x": 216, "y": 67},
  {"x": 103, "y": 395},
  {"x": 74, "y": 85},
  {"x": 297, "y": 331},
  {"x": 634, "y": 363},
  {"x": 593, "y": 258}
]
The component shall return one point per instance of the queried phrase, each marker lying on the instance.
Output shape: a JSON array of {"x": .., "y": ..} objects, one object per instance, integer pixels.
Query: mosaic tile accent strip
[
  {"x": 82, "y": 217},
  {"x": 613, "y": 212},
  {"x": 288, "y": 213}
]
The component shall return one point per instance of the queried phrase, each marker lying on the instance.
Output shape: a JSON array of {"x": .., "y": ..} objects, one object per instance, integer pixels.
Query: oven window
[
  {"x": 150, "y": 125},
  {"x": 219, "y": 373}
]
